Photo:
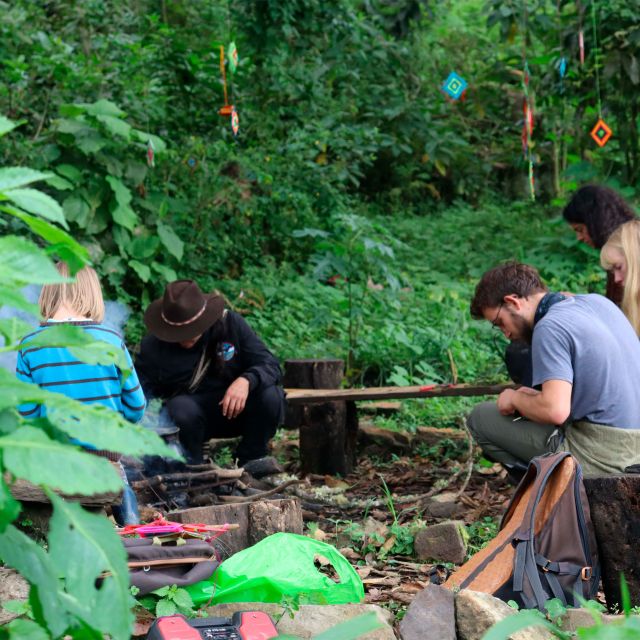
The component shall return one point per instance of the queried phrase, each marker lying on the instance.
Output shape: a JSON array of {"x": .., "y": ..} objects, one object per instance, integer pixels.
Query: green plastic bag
[{"x": 283, "y": 564}]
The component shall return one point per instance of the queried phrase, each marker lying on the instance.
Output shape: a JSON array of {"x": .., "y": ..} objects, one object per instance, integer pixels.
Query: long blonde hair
[
  {"x": 626, "y": 241},
  {"x": 84, "y": 295}
]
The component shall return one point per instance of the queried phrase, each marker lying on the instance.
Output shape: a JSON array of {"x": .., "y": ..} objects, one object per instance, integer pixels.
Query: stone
[
  {"x": 443, "y": 542},
  {"x": 311, "y": 619},
  {"x": 262, "y": 467},
  {"x": 582, "y": 617},
  {"x": 445, "y": 505},
  {"x": 477, "y": 612},
  {"x": 12, "y": 587},
  {"x": 433, "y": 608}
]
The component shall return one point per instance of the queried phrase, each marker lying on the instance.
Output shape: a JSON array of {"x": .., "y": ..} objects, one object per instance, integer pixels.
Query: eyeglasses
[{"x": 494, "y": 322}]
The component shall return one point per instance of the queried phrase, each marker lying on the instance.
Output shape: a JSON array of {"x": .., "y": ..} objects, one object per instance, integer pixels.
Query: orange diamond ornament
[{"x": 601, "y": 133}]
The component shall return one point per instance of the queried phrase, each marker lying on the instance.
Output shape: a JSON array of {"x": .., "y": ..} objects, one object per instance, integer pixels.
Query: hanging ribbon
[{"x": 601, "y": 132}]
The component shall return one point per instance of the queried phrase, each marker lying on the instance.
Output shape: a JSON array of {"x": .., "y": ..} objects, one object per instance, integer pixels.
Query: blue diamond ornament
[{"x": 454, "y": 85}]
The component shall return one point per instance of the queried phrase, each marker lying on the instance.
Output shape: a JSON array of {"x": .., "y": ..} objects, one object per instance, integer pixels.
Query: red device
[{"x": 246, "y": 625}]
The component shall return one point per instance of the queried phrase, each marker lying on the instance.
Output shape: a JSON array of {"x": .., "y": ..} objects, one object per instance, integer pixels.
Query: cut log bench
[{"x": 326, "y": 414}]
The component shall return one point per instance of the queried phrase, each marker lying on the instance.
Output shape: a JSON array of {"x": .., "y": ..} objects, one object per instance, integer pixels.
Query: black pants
[{"x": 199, "y": 417}]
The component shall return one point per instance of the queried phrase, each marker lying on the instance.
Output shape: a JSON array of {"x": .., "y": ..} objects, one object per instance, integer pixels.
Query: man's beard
[{"x": 523, "y": 329}]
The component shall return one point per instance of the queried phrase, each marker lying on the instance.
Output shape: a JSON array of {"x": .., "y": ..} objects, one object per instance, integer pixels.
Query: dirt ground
[{"x": 372, "y": 514}]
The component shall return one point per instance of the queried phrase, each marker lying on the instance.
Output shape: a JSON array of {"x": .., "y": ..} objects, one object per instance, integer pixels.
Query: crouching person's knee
[{"x": 481, "y": 420}]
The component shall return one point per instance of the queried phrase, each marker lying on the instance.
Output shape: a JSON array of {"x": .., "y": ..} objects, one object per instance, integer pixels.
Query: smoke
[
  {"x": 115, "y": 317},
  {"x": 30, "y": 293}
]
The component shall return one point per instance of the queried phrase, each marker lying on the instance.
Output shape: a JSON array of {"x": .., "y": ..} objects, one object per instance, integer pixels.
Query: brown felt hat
[{"x": 183, "y": 312}]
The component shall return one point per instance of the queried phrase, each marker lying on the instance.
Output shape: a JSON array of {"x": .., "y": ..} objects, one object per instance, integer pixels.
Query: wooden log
[
  {"x": 614, "y": 502},
  {"x": 328, "y": 430},
  {"x": 297, "y": 396},
  {"x": 254, "y": 522},
  {"x": 24, "y": 491}
]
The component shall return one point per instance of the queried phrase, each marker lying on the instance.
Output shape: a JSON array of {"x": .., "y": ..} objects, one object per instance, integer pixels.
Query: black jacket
[{"x": 165, "y": 369}]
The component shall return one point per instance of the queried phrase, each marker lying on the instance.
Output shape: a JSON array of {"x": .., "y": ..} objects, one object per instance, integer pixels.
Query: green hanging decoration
[{"x": 232, "y": 53}]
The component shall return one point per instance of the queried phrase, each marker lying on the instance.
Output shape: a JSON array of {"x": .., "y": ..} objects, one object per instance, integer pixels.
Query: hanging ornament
[
  {"x": 227, "y": 108},
  {"x": 581, "y": 45},
  {"x": 232, "y": 52},
  {"x": 151, "y": 155},
  {"x": 192, "y": 163},
  {"x": 601, "y": 133},
  {"x": 562, "y": 68},
  {"x": 454, "y": 86},
  {"x": 235, "y": 121}
]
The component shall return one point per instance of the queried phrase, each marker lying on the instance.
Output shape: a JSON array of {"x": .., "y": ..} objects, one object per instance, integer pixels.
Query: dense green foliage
[{"x": 340, "y": 112}]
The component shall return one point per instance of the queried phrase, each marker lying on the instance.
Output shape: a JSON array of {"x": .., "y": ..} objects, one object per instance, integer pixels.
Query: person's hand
[
  {"x": 235, "y": 398},
  {"x": 505, "y": 402}
]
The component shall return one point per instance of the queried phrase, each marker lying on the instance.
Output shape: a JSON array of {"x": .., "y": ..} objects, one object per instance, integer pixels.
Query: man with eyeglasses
[{"x": 586, "y": 376}]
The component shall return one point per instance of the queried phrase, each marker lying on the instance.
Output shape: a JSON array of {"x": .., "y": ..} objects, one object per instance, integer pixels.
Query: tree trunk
[
  {"x": 615, "y": 510},
  {"x": 328, "y": 430}
]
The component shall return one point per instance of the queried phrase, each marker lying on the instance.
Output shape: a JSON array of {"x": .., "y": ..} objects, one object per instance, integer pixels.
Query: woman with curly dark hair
[{"x": 594, "y": 213}]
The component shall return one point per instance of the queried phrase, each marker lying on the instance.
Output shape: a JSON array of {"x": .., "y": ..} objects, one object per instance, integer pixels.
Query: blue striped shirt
[{"x": 56, "y": 369}]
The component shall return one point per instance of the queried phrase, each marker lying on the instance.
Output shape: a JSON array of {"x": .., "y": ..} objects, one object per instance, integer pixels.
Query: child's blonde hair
[
  {"x": 84, "y": 295},
  {"x": 626, "y": 241}
]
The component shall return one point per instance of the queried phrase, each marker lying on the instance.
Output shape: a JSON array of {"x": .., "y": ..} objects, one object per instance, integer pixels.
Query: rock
[
  {"x": 261, "y": 467},
  {"x": 443, "y": 542},
  {"x": 583, "y": 617},
  {"x": 433, "y": 609},
  {"x": 389, "y": 441},
  {"x": 12, "y": 587},
  {"x": 445, "y": 505},
  {"x": 310, "y": 619},
  {"x": 477, "y": 612}
]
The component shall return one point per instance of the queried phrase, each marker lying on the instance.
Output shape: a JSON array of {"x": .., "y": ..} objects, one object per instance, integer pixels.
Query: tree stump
[
  {"x": 328, "y": 430},
  {"x": 614, "y": 502},
  {"x": 256, "y": 521}
]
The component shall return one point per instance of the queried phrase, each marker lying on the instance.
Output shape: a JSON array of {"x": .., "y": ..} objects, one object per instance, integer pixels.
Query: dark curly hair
[
  {"x": 600, "y": 209},
  {"x": 511, "y": 278}
]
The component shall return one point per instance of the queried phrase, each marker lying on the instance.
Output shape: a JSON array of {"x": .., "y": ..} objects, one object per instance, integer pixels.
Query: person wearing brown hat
[{"x": 216, "y": 376}]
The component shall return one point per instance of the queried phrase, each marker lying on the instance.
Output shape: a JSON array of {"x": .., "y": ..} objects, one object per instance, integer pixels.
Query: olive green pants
[
  {"x": 508, "y": 441},
  {"x": 600, "y": 449}
]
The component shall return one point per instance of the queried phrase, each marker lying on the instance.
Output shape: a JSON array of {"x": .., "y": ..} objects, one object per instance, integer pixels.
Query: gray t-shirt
[{"x": 587, "y": 341}]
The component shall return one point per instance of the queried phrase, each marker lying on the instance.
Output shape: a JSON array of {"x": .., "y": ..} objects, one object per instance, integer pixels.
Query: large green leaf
[
  {"x": 9, "y": 297},
  {"x": 125, "y": 216},
  {"x": 72, "y": 252},
  {"x": 77, "y": 209},
  {"x": 143, "y": 271},
  {"x": 7, "y": 125},
  {"x": 22, "y": 629},
  {"x": 31, "y": 454},
  {"x": 101, "y": 108},
  {"x": 15, "y": 177},
  {"x": 22, "y": 262},
  {"x": 31, "y": 560},
  {"x": 116, "y": 126},
  {"x": 170, "y": 240},
  {"x": 83, "y": 546},
  {"x": 39, "y": 203},
  {"x": 121, "y": 191},
  {"x": 70, "y": 172},
  {"x": 13, "y": 330},
  {"x": 92, "y": 423},
  {"x": 9, "y": 506}
]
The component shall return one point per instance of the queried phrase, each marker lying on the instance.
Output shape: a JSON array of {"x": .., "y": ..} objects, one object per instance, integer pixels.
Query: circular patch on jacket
[{"x": 227, "y": 351}]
